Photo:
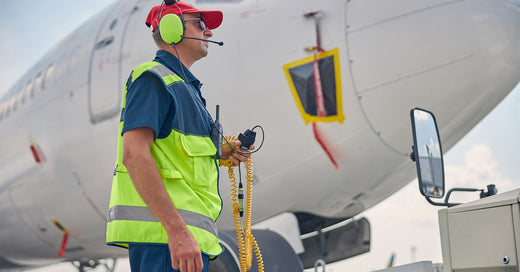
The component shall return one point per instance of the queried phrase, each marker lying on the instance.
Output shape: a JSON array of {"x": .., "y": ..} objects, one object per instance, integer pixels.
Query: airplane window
[
  {"x": 113, "y": 24},
  {"x": 73, "y": 60},
  {"x": 4, "y": 110},
  {"x": 15, "y": 102},
  {"x": 61, "y": 67},
  {"x": 12, "y": 103},
  {"x": 38, "y": 81},
  {"x": 29, "y": 88},
  {"x": 26, "y": 93},
  {"x": 48, "y": 74},
  {"x": 9, "y": 107},
  {"x": 20, "y": 97}
]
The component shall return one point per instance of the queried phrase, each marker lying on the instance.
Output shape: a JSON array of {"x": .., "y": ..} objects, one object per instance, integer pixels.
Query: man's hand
[
  {"x": 185, "y": 252},
  {"x": 229, "y": 154}
]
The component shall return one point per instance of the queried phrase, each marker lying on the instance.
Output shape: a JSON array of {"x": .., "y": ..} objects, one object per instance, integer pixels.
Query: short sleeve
[{"x": 149, "y": 104}]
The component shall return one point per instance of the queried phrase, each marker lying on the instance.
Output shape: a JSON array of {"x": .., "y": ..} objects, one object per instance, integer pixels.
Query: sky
[{"x": 404, "y": 224}]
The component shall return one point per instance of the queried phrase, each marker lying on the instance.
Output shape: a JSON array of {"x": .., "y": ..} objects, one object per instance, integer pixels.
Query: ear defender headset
[{"x": 171, "y": 26}]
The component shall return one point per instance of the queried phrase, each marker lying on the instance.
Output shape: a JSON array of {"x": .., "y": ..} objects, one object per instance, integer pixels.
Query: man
[{"x": 165, "y": 200}]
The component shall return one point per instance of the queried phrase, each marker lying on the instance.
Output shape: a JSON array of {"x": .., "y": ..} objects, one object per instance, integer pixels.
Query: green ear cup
[{"x": 171, "y": 28}]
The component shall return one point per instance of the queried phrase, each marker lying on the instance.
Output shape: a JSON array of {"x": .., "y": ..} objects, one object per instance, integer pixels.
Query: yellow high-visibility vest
[{"x": 189, "y": 171}]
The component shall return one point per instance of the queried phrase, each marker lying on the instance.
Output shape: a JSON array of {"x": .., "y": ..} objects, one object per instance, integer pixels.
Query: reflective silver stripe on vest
[
  {"x": 164, "y": 72},
  {"x": 136, "y": 213},
  {"x": 161, "y": 70},
  {"x": 122, "y": 118}
]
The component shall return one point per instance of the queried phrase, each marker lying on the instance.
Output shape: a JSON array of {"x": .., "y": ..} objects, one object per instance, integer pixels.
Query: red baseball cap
[{"x": 212, "y": 18}]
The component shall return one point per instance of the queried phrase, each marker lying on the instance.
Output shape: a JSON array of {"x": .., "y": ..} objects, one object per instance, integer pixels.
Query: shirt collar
[{"x": 173, "y": 63}]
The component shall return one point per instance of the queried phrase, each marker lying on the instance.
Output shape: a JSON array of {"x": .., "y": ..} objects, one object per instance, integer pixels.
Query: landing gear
[
  {"x": 84, "y": 266},
  {"x": 277, "y": 253}
]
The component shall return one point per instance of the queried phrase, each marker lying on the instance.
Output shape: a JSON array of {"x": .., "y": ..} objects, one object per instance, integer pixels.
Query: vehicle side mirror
[{"x": 427, "y": 153}]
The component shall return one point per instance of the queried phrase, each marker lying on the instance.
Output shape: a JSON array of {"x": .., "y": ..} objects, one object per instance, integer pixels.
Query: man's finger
[
  {"x": 182, "y": 266},
  {"x": 198, "y": 264},
  {"x": 175, "y": 263},
  {"x": 241, "y": 157},
  {"x": 234, "y": 160},
  {"x": 190, "y": 266}
]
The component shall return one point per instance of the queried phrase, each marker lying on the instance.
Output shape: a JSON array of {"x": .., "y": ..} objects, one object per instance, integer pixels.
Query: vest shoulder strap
[{"x": 166, "y": 75}]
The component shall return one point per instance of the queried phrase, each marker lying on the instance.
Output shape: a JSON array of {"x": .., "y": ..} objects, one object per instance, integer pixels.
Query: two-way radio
[
  {"x": 216, "y": 135},
  {"x": 247, "y": 139}
]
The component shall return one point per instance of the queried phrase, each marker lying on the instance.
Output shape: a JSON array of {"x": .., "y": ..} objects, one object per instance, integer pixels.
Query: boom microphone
[{"x": 219, "y": 43}]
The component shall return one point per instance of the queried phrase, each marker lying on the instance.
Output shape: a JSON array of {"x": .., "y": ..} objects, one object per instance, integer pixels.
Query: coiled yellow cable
[{"x": 246, "y": 240}]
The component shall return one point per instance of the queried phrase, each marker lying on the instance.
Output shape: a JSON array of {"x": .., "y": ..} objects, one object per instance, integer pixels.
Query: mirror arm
[
  {"x": 436, "y": 203},
  {"x": 447, "y": 198}
]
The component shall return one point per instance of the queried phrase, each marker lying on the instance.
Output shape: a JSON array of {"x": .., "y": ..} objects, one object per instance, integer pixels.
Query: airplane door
[{"x": 105, "y": 85}]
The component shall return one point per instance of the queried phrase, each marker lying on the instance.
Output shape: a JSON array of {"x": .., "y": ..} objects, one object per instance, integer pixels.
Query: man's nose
[{"x": 208, "y": 33}]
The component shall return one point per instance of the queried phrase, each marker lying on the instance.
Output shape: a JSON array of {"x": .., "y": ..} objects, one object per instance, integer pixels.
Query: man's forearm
[
  {"x": 148, "y": 182},
  {"x": 149, "y": 185}
]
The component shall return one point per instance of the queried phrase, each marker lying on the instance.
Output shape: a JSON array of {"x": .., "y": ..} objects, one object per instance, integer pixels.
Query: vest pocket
[
  {"x": 169, "y": 174},
  {"x": 196, "y": 146},
  {"x": 201, "y": 151}
]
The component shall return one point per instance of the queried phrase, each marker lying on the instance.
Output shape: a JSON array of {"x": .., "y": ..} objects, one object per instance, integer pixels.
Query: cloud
[
  {"x": 407, "y": 225},
  {"x": 479, "y": 170},
  {"x": 421, "y": 115},
  {"x": 435, "y": 147},
  {"x": 404, "y": 224}
]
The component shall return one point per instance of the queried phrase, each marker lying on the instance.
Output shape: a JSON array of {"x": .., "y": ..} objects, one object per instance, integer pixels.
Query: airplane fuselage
[{"x": 458, "y": 59}]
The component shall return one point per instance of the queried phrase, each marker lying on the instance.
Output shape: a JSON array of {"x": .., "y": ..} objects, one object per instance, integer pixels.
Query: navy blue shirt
[{"x": 150, "y": 104}]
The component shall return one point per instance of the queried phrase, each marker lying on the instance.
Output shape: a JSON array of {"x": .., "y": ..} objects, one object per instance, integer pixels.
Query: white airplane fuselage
[{"x": 458, "y": 59}]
